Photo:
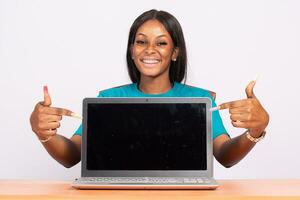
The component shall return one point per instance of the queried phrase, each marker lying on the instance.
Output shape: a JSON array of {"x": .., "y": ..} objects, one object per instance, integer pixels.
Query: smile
[{"x": 150, "y": 61}]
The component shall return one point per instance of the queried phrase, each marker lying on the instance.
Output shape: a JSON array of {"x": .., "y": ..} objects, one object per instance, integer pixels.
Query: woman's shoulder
[
  {"x": 195, "y": 91},
  {"x": 118, "y": 91}
]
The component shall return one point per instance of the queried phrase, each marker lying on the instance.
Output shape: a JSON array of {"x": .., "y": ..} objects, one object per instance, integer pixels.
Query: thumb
[
  {"x": 47, "y": 98},
  {"x": 249, "y": 89}
]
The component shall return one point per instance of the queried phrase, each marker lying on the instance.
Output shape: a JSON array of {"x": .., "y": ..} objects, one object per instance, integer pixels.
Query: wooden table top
[{"x": 228, "y": 189}]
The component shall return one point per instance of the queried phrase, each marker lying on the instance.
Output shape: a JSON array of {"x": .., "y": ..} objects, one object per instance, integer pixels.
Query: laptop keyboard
[{"x": 143, "y": 180}]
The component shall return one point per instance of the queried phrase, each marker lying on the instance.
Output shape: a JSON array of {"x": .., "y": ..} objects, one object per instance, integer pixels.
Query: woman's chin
[
  {"x": 150, "y": 75},
  {"x": 150, "y": 71}
]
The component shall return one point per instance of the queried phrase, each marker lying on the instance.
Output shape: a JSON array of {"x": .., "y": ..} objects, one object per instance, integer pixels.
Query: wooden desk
[{"x": 229, "y": 189}]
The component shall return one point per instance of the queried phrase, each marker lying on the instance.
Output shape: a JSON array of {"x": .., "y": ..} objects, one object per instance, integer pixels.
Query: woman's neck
[{"x": 154, "y": 86}]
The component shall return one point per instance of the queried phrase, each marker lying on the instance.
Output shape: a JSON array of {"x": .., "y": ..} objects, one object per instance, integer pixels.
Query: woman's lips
[{"x": 150, "y": 62}]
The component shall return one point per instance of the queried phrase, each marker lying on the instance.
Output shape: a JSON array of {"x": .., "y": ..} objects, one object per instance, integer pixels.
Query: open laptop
[{"x": 146, "y": 143}]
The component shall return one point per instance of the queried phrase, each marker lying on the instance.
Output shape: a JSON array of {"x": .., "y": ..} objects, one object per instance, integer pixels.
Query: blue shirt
[{"x": 178, "y": 90}]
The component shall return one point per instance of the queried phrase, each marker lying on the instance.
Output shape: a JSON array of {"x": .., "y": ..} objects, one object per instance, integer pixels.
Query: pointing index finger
[
  {"x": 59, "y": 111},
  {"x": 233, "y": 104}
]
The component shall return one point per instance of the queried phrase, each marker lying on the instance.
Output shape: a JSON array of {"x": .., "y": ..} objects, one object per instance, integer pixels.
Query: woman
[{"x": 156, "y": 61}]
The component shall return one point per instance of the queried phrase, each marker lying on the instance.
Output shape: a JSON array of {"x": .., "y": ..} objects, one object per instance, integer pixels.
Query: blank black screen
[{"x": 146, "y": 136}]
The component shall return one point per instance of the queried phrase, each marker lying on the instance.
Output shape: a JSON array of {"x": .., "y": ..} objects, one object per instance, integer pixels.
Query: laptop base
[{"x": 144, "y": 183}]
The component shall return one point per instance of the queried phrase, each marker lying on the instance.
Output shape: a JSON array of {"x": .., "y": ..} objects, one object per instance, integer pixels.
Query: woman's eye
[
  {"x": 140, "y": 42},
  {"x": 162, "y": 43}
]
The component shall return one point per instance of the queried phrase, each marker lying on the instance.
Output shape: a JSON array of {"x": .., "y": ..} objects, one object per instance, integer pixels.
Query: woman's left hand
[{"x": 248, "y": 113}]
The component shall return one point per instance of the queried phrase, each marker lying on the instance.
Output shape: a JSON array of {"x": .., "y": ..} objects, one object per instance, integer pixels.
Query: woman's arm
[
  {"x": 45, "y": 121},
  {"x": 65, "y": 151},
  {"x": 230, "y": 151},
  {"x": 248, "y": 114}
]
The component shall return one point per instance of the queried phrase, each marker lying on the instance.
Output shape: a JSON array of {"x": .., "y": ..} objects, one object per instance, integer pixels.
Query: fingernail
[
  {"x": 45, "y": 88},
  {"x": 214, "y": 109},
  {"x": 75, "y": 115}
]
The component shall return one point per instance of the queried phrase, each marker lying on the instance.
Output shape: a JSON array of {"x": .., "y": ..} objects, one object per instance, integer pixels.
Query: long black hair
[{"x": 178, "y": 68}]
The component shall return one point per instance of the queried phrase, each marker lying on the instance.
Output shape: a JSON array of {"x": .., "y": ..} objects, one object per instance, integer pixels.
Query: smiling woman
[
  {"x": 156, "y": 61},
  {"x": 152, "y": 51},
  {"x": 156, "y": 39}
]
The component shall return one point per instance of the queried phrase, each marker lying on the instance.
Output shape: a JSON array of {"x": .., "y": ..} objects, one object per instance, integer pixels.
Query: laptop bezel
[{"x": 147, "y": 173}]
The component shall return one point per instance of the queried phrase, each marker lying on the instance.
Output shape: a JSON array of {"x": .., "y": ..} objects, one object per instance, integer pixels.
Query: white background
[{"x": 78, "y": 48}]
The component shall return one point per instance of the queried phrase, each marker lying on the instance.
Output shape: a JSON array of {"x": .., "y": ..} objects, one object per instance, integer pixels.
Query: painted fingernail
[
  {"x": 75, "y": 115},
  {"x": 45, "y": 88},
  {"x": 214, "y": 109}
]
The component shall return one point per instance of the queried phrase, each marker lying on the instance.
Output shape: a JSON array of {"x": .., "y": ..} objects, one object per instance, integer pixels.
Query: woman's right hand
[{"x": 45, "y": 120}]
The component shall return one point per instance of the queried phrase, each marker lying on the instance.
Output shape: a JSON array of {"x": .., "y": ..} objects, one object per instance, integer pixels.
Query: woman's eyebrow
[
  {"x": 163, "y": 35},
  {"x": 142, "y": 34}
]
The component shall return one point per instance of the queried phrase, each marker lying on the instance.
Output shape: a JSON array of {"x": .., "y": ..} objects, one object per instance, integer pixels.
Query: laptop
[{"x": 146, "y": 143}]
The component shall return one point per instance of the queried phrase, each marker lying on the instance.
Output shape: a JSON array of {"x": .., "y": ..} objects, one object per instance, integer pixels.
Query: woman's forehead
[{"x": 152, "y": 28}]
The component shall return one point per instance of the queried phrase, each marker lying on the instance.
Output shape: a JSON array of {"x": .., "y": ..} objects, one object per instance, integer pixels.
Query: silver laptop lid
[{"x": 147, "y": 137}]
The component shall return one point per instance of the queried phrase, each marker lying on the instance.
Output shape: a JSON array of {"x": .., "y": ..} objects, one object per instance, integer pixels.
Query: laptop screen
[{"x": 141, "y": 136}]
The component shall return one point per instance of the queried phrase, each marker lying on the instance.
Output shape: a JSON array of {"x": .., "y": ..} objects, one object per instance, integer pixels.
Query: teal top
[{"x": 178, "y": 90}]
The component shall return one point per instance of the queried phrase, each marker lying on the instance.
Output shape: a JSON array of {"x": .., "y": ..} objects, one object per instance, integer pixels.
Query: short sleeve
[
  {"x": 217, "y": 123},
  {"x": 79, "y": 129}
]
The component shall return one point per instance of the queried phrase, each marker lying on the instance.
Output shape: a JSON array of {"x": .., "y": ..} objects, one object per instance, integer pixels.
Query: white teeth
[{"x": 150, "y": 61}]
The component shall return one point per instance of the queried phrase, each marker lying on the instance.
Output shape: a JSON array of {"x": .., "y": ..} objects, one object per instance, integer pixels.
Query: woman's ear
[{"x": 175, "y": 53}]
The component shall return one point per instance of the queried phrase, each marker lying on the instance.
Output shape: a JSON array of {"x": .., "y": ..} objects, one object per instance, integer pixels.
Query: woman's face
[{"x": 153, "y": 50}]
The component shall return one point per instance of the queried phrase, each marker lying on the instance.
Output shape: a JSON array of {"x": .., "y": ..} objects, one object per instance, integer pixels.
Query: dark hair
[{"x": 177, "y": 70}]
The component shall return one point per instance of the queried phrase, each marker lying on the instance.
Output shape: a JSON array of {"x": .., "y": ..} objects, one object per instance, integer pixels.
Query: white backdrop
[{"x": 78, "y": 48}]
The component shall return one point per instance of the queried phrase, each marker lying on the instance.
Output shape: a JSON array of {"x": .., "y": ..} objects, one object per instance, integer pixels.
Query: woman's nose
[{"x": 150, "y": 49}]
